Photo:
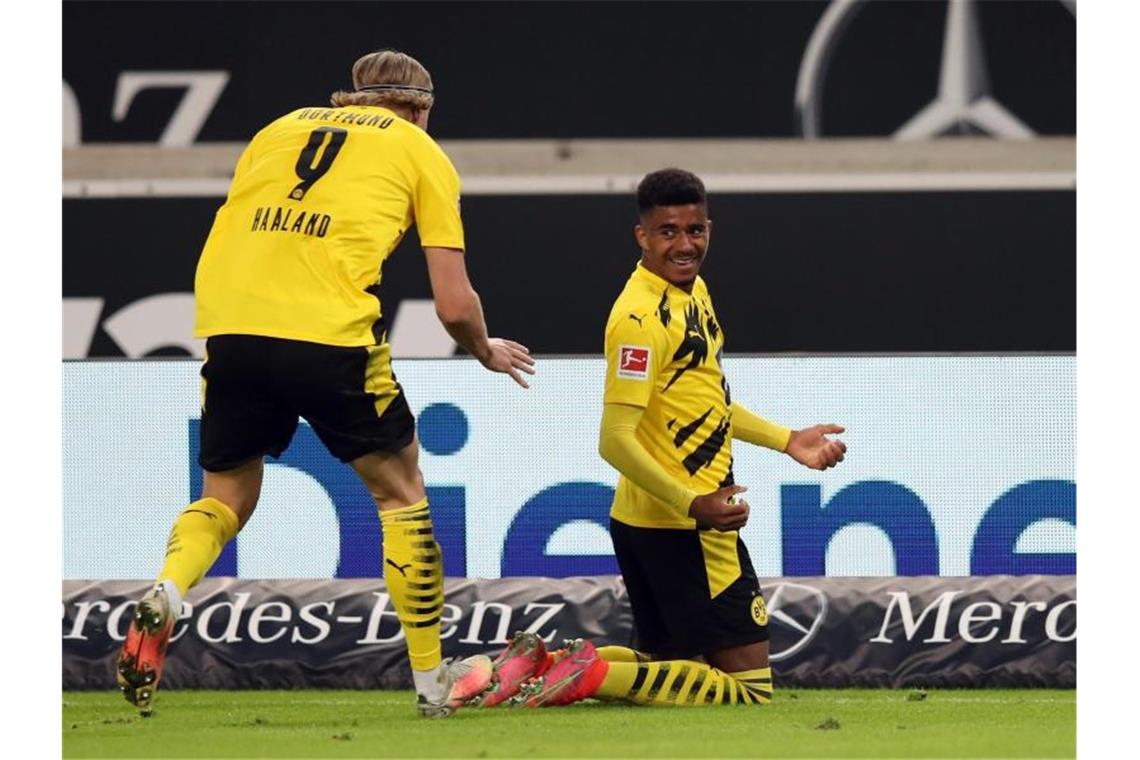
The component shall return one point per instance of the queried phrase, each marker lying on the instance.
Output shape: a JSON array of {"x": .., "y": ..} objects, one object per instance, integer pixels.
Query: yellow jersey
[
  {"x": 663, "y": 353},
  {"x": 319, "y": 199}
]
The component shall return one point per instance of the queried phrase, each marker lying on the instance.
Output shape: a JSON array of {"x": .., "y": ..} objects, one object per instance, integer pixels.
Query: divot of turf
[
  {"x": 247, "y": 723},
  {"x": 110, "y": 721},
  {"x": 831, "y": 724}
]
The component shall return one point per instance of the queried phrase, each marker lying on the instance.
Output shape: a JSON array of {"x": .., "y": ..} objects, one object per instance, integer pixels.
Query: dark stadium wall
[
  {"x": 842, "y": 272},
  {"x": 557, "y": 69},
  {"x": 826, "y": 272}
]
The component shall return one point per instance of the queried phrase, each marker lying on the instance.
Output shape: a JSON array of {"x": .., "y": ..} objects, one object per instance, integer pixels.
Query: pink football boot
[{"x": 524, "y": 658}]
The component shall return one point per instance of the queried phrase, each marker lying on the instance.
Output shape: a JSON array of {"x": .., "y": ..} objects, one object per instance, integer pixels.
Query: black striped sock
[
  {"x": 684, "y": 682},
  {"x": 413, "y": 572}
]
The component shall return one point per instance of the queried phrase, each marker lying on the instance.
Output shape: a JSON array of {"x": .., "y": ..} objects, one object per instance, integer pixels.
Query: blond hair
[{"x": 388, "y": 67}]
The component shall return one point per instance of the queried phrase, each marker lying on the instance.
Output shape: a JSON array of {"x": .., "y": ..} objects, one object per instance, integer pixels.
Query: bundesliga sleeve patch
[{"x": 633, "y": 362}]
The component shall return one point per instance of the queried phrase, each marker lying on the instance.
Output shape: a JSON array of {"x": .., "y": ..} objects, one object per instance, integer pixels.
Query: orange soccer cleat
[
  {"x": 139, "y": 666},
  {"x": 574, "y": 676},
  {"x": 459, "y": 681},
  {"x": 524, "y": 658}
]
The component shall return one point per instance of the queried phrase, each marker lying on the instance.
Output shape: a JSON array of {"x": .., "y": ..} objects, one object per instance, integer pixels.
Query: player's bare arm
[{"x": 459, "y": 310}]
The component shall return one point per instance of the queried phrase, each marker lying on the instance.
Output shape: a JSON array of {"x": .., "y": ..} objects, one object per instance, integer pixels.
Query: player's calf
[{"x": 684, "y": 683}]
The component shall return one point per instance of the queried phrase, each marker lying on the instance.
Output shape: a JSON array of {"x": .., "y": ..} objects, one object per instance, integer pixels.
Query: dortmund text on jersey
[{"x": 320, "y": 198}]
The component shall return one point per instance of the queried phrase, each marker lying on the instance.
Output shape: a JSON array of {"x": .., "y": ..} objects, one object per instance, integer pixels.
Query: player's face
[{"x": 673, "y": 242}]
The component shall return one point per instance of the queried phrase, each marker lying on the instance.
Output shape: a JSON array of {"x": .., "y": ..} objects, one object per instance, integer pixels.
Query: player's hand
[
  {"x": 509, "y": 357},
  {"x": 812, "y": 448},
  {"x": 720, "y": 510}
]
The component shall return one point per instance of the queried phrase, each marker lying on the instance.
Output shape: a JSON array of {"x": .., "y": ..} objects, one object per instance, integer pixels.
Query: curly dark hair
[{"x": 669, "y": 187}]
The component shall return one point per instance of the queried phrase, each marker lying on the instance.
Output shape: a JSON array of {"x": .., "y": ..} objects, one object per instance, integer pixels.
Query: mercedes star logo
[
  {"x": 795, "y": 615},
  {"x": 963, "y": 98}
]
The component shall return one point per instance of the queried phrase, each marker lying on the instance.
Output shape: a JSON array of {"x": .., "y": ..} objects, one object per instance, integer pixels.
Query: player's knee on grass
[
  {"x": 741, "y": 658},
  {"x": 683, "y": 683}
]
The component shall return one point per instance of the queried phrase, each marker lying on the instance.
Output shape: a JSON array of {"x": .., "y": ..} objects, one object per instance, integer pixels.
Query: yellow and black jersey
[
  {"x": 663, "y": 353},
  {"x": 319, "y": 199}
]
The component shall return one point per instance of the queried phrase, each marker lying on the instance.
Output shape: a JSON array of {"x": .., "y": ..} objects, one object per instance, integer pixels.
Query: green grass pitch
[{"x": 800, "y": 723}]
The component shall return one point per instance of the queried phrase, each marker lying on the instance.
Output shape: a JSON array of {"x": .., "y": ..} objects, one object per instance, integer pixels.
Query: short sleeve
[
  {"x": 635, "y": 355},
  {"x": 436, "y": 200},
  {"x": 242, "y": 167}
]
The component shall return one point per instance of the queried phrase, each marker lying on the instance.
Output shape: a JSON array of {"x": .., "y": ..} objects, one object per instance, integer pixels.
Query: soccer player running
[
  {"x": 287, "y": 294},
  {"x": 668, "y": 423}
]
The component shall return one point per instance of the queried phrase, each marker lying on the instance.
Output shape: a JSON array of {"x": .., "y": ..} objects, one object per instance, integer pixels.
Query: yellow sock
[
  {"x": 413, "y": 571},
  {"x": 758, "y": 682},
  {"x": 683, "y": 682},
  {"x": 621, "y": 654},
  {"x": 195, "y": 542}
]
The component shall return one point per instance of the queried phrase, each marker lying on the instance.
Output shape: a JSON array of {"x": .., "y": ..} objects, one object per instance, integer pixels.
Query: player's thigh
[
  {"x": 243, "y": 417},
  {"x": 649, "y": 632},
  {"x": 674, "y": 586},
  {"x": 739, "y": 658},
  {"x": 737, "y": 635},
  {"x": 704, "y": 588},
  {"x": 351, "y": 399}
]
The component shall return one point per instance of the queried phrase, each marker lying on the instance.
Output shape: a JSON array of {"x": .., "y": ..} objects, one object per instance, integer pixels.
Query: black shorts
[
  {"x": 254, "y": 388},
  {"x": 674, "y": 582}
]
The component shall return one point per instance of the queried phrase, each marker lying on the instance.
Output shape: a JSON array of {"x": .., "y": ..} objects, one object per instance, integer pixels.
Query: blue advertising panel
[{"x": 957, "y": 465}]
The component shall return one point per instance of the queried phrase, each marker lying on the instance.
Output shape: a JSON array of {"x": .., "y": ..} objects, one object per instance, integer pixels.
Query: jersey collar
[
  {"x": 641, "y": 273},
  {"x": 657, "y": 282}
]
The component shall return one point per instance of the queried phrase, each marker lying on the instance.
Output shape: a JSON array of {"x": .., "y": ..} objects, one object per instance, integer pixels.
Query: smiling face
[{"x": 673, "y": 241}]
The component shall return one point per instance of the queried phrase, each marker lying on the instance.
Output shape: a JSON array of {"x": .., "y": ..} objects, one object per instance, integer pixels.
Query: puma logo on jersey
[
  {"x": 401, "y": 568},
  {"x": 637, "y": 319}
]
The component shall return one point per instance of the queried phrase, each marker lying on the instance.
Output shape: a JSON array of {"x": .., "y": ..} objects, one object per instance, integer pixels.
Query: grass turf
[{"x": 800, "y": 723}]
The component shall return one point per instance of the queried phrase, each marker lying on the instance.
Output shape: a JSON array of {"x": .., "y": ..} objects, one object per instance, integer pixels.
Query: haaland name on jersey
[{"x": 306, "y": 223}]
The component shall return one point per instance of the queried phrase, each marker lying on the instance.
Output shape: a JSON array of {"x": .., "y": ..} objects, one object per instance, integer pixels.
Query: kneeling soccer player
[{"x": 668, "y": 423}]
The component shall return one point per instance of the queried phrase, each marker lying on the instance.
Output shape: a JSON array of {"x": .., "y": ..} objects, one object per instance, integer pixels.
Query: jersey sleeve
[
  {"x": 752, "y": 428},
  {"x": 242, "y": 167},
  {"x": 618, "y": 445},
  {"x": 635, "y": 355},
  {"x": 436, "y": 200}
]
